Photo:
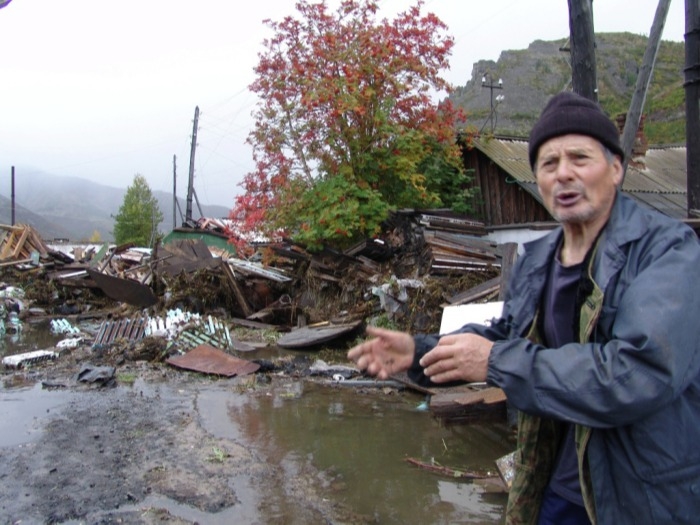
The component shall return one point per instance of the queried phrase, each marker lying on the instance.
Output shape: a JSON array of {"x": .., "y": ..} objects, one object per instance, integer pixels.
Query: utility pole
[
  {"x": 12, "y": 196},
  {"x": 174, "y": 188},
  {"x": 692, "y": 104},
  {"x": 190, "y": 187},
  {"x": 582, "y": 37},
  {"x": 634, "y": 114},
  {"x": 491, "y": 86}
]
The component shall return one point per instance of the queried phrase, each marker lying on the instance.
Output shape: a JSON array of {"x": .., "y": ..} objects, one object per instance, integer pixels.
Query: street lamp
[{"x": 487, "y": 82}]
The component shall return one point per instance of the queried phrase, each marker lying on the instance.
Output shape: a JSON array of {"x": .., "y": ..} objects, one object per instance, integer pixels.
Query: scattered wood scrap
[
  {"x": 481, "y": 292},
  {"x": 450, "y": 472},
  {"x": 451, "y": 223},
  {"x": 451, "y": 253},
  {"x": 310, "y": 336},
  {"x": 462, "y": 406},
  {"x": 18, "y": 243},
  {"x": 283, "y": 284}
]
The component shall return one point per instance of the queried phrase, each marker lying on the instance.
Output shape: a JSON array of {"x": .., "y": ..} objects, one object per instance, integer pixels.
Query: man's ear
[{"x": 618, "y": 170}]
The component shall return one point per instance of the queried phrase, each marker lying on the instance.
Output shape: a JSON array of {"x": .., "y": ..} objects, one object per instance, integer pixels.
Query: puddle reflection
[{"x": 360, "y": 440}]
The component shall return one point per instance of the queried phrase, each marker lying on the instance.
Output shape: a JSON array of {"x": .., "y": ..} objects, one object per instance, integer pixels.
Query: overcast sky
[{"x": 105, "y": 90}]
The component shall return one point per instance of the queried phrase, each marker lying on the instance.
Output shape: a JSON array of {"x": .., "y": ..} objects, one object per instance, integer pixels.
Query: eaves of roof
[{"x": 658, "y": 180}]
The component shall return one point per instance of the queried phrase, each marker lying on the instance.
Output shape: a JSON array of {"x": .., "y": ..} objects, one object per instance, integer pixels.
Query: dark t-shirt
[{"x": 559, "y": 317}]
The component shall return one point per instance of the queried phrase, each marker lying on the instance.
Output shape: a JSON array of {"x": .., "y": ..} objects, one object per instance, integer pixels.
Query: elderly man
[{"x": 598, "y": 346}]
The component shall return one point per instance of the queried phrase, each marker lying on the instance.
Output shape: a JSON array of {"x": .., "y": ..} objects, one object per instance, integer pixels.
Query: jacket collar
[{"x": 625, "y": 225}]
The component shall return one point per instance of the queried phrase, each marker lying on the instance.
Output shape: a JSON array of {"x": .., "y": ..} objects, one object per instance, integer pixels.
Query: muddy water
[
  {"x": 356, "y": 440},
  {"x": 360, "y": 442}
]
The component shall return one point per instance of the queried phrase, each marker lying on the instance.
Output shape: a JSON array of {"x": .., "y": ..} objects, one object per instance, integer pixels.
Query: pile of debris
[
  {"x": 421, "y": 263},
  {"x": 20, "y": 245}
]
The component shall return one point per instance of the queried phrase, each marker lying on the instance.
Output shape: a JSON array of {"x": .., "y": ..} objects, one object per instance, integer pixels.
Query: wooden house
[{"x": 508, "y": 195}]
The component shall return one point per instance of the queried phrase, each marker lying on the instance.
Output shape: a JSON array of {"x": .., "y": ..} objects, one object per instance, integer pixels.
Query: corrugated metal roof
[{"x": 657, "y": 181}]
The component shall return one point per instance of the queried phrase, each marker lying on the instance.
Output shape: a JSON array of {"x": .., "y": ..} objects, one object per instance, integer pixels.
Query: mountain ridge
[{"x": 78, "y": 209}]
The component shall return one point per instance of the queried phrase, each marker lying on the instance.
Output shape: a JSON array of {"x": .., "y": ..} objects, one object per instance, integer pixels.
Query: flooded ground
[{"x": 170, "y": 446}]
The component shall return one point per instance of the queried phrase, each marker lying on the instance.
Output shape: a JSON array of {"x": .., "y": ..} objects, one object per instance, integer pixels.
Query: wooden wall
[{"x": 500, "y": 200}]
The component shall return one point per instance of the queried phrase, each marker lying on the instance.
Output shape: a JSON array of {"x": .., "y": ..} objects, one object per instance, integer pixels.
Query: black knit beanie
[{"x": 567, "y": 113}]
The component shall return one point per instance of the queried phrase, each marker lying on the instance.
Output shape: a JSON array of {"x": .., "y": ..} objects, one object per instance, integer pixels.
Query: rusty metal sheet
[{"x": 210, "y": 360}]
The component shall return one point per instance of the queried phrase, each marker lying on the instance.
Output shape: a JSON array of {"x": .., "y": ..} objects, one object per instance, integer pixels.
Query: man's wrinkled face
[{"x": 577, "y": 180}]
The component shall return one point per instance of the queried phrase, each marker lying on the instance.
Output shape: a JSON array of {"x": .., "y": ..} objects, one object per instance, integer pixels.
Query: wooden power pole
[
  {"x": 190, "y": 186},
  {"x": 174, "y": 189},
  {"x": 692, "y": 104},
  {"x": 12, "y": 197},
  {"x": 582, "y": 37},
  {"x": 634, "y": 114}
]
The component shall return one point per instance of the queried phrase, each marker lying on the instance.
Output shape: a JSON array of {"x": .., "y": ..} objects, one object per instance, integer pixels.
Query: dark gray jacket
[{"x": 632, "y": 385}]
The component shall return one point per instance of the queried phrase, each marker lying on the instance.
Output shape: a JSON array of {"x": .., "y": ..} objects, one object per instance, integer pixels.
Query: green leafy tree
[
  {"x": 139, "y": 215},
  {"x": 345, "y": 129}
]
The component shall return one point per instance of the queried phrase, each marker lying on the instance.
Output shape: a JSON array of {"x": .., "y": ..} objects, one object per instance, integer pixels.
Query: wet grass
[{"x": 127, "y": 378}]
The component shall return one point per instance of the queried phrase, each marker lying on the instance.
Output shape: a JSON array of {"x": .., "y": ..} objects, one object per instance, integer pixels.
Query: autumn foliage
[{"x": 345, "y": 128}]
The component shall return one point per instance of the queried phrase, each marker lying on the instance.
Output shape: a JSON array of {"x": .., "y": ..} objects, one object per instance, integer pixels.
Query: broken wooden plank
[
  {"x": 247, "y": 346},
  {"x": 402, "y": 377},
  {"x": 256, "y": 325},
  {"x": 461, "y": 246},
  {"x": 10, "y": 244},
  {"x": 450, "y": 260},
  {"x": 37, "y": 243},
  {"x": 477, "y": 292},
  {"x": 452, "y": 224},
  {"x": 233, "y": 284},
  {"x": 450, "y": 472},
  {"x": 310, "y": 336},
  {"x": 20, "y": 241},
  {"x": 11, "y": 263},
  {"x": 477, "y": 405}
]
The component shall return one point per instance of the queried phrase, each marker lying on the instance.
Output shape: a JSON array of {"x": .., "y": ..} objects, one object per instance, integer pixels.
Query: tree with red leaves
[{"x": 345, "y": 129}]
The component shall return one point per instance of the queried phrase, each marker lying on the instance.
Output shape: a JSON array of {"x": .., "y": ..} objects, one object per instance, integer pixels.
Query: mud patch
[{"x": 110, "y": 453}]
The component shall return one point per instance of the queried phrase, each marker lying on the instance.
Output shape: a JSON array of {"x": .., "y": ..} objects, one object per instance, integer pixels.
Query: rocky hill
[{"x": 530, "y": 76}]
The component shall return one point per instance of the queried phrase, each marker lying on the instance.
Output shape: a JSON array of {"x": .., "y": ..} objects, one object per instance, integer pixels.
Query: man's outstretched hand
[{"x": 387, "y": 353}]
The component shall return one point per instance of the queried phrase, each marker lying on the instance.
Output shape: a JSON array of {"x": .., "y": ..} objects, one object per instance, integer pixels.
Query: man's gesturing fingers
[{"x": 458, "y": 357}]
